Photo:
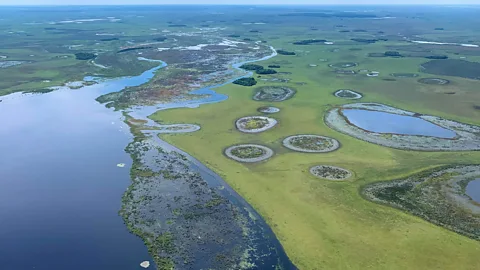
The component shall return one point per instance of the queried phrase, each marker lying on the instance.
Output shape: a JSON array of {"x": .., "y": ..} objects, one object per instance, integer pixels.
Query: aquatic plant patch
[
  {"x": 436, "y": 195},
  {"x": 255, "y": 124},
  {"x": 404, "y": 75},
  {"x": 311, "y": 143},
  {"x": 6, "y": 64},
  {"x": 434, "y": 81},
  {"x": 169, "y": 196},
  {"x": 342, "y": 65},
  {"x": 268, "y": 109},
  {"x": 347, "y": 94},
  {"x": 330, "y": 172},
  {"x": 273, "y": 93},
  {"x": 465, "y": 137},
  {"x": 345, "y": 72},
  {"x": 249, "y": 153}
]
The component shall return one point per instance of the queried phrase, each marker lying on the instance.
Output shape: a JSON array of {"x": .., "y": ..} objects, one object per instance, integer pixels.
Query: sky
[{"x": 245, "y": 2}]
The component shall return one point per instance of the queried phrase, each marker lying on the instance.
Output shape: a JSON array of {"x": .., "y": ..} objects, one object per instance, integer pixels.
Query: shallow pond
[
  {"x": 382, "y": 122},
  {"x": 473, "y": 190}
]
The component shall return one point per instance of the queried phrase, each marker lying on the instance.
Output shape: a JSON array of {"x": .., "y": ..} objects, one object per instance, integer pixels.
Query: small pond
[
  {"x": 382, "y": 122},
  {"x": 473, "y": 190}
]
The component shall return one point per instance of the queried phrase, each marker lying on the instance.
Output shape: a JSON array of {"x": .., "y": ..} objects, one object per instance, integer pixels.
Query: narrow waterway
[{"x": 60, "y": 185}]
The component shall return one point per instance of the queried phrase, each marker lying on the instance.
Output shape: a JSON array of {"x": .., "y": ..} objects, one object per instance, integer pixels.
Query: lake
[
  {"x": 382, "y": 122},
  {"x": 473, "y": 190}
]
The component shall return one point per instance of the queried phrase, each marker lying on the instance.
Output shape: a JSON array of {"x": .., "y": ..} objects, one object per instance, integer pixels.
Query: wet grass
[{"x": 325, "y": 224}]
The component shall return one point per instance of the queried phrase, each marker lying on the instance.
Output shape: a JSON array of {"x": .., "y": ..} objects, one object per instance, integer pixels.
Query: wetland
[{"x": 134, "y": 138}]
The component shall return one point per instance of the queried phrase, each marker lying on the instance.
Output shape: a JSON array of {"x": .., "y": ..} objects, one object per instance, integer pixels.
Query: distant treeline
[
  {"x": 258, "y": 69},
  {"x": 368, "y": 41},
  {"x": 309, "y": 41},
  {"x": 283, "y": 52},
  {"x": 134, "y": 49},
  {"x": 85, "y": 56},
  {"x": 246, "y": 81}
]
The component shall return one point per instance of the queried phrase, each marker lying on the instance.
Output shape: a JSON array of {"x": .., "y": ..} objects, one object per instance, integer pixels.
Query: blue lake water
[
  {"x": 60, "y": 188},
  {"x": 473, "y": 190},
  {"x": 382, "y": 122}
]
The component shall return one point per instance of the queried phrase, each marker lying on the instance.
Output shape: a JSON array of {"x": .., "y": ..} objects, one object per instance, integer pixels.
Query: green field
[{"x": 323, "y": 224}]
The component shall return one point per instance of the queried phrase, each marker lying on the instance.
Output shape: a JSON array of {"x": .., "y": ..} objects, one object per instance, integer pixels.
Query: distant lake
[{"x": 382, "y": 122}]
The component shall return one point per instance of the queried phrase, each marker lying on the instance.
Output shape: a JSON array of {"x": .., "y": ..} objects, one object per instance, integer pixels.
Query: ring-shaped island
[
  {"x": 347, "y": 94},
  {"x": 268, "y": 109},
  {"x": 255, "y": 124},
  {"x": 330, "y": 172},
  {"x": 273, "y": 93},
  {"x": 311, "y": 143},
  {"x": 396, "y": 128},
  {"x": 249, "y": 153}
]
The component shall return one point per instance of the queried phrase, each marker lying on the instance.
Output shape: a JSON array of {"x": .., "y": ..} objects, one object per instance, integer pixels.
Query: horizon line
[{"x": 233, "y": 4}]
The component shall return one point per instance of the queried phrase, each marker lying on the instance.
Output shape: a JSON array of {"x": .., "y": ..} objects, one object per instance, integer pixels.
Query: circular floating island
[
  {"x": 392, "y": 127},
  {"x": 347, "y": 94},
  {"x": 268, "y": 109},
  {"x": 343, "y": 65},
  {"x": 249, "y": 153},
  {"x": 345, "y": 72},
  {"x": 434, "y": 81},
  {"x": 311, "y": 143},
  {"x": 273, "y": 93},
  {"x": 330, "y": 172},
  {"x": 404, "y": 75},
  {"x": 373, "y": 74},
  {"x": 255, "y": 124}
]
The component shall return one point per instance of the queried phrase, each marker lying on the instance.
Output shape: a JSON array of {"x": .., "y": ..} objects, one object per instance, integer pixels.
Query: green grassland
[{"x": 324, "y": 224}]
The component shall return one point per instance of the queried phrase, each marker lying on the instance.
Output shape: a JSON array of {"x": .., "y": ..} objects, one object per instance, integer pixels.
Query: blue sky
[{"x": 255, "y": 2}]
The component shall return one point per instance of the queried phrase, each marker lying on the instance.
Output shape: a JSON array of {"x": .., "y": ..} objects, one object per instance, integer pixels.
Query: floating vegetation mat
[
  {"x": 404, "y": 75},
  {"x": 255, "y": 124},
  {"x": 343, "y": 65},
  {"x": 434, "y": 81},
  {"x": 345, "y": 72},
  {"x": 273, "y": 93},
  {"x": 249, "y": 153},
  {"x": 311, "y": 143},
  {"x": 330, "y": 172},
  {"x": 466, "y": 137},
  {"x": 436, "y": 195},
  {"x": 6, "y": 64},
  {"x": 189, "y": 218},
  {"x": 178, "y": 128},
  {"x": 268, "y": 109},
  {"x": 347, "y": 94}
]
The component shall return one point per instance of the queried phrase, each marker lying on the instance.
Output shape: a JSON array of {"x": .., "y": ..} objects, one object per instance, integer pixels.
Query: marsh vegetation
[
  {"x": 273, "y": 93},
  {"x": 311, "y": 143},
  {"x": 249, "y": 153},
  {"x": 347, "y": 94},
  {"x": 437, "y": 195},
  {"x": 255, "y": 124},
  {"x": 330, "y": 172}
]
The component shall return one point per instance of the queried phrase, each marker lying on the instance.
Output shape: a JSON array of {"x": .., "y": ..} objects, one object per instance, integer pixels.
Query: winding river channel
[{"x": 61, "y": 187}]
